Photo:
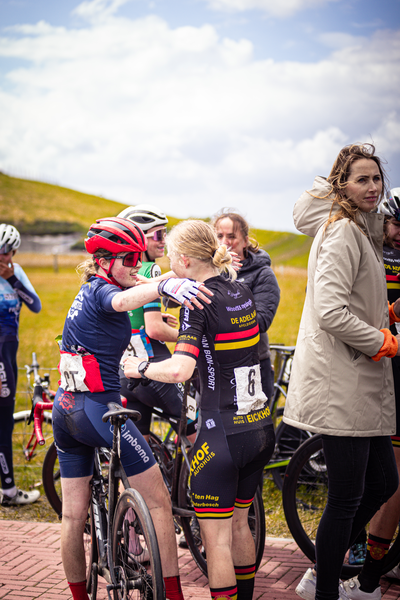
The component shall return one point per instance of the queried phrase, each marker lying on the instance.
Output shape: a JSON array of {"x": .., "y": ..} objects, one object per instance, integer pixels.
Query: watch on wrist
[{"x": 142, "y": 367}]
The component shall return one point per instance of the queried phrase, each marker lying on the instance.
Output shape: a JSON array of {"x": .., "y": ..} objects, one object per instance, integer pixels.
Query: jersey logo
[
  {"x": 210, "y": 423},
  {"x": 234, "y": 294},
  {"x": 185, "y": 326}
]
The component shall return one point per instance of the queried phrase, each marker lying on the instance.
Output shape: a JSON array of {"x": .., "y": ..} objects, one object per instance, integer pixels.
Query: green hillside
[{"x": 41, "y": 208}]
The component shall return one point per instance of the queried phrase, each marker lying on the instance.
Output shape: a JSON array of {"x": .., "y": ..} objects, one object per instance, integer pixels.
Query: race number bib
[
  {"x": 72, "y": 373},
  {"x": 136, "y": 348},
  {"x": 191, "y": 408},
  {"x": 249, "y": 392}
]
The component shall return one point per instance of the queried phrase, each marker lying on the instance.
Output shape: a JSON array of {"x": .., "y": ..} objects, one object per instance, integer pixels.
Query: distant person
[
  {"x": 233, "y": 231},
  {"x": 15, "y": 289},
  {"x": 341, "y": 384},
  {"x": 151, "y": 329}
]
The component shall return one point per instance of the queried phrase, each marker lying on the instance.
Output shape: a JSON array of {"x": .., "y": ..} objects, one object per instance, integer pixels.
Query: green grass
[{"x": 41, "y": 207}]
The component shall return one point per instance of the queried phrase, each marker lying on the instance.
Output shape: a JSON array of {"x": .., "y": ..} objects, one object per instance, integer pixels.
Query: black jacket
[{"x": 256, "y": 272}]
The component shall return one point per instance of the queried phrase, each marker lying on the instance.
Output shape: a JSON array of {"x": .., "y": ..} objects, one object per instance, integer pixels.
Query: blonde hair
[
  {"x": 239, "y": 224},
  {"x": 198, "y": 240},
  {"x": 339, "y": 177},
  {"x": 89, "y": 267}
]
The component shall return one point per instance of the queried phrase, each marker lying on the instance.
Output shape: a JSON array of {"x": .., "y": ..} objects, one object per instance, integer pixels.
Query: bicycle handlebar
[{"x": 38, "y": 419}]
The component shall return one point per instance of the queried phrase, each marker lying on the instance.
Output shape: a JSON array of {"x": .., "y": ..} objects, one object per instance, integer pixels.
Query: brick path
[{"x": 30, "y": 567}]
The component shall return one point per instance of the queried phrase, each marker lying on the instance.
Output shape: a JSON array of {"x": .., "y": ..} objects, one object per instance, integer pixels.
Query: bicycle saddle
[{"x": 116, "y": 410}]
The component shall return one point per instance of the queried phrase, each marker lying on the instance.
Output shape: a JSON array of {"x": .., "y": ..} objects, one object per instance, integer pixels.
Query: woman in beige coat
[{"x": 341, "y": 383}]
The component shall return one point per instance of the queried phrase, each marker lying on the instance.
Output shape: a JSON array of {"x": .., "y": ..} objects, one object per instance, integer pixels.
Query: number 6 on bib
[{"x": 249, "y": 394}]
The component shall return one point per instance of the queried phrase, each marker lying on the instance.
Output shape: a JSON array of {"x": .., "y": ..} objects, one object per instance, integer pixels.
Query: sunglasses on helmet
[
  {"x": 157, "y": 236},
  {"x": 129, "y": 260}
]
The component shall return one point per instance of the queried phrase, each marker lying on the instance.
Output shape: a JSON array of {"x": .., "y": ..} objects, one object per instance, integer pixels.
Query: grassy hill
[{"x": 41, "y": 208}]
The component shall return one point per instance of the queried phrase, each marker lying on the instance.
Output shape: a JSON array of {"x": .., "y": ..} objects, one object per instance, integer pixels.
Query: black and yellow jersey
[{"x": 224, "y": 338}]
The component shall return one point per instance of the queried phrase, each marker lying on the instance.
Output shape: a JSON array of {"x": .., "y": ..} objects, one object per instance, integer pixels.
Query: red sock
[
  {"x": 78, "y": 590},
  {"x": 173, "y": 589}
]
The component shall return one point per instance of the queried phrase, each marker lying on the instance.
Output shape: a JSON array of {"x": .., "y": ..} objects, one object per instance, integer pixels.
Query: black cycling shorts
[{"x": 226, "y": 469}]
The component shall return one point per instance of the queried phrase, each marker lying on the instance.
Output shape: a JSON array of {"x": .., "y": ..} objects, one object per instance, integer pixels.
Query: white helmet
[
  {"x": 144, "y": 215},
  {"x": 391, "y": 205},
  {"x": 9, "y": 238}
]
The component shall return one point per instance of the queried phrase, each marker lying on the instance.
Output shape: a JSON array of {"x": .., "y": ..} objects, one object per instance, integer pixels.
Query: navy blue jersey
[
  {"x": 13, "y": 292},
  {"x": 98, "y": 334}
]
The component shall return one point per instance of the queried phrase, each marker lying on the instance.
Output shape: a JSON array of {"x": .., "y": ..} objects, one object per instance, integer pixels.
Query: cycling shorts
[
  {"x": 166, "y": 396},
  {"x": 226, "y": 469},
  {"x": 79, "y": 429},
  {"x": 396, "y": 379}
]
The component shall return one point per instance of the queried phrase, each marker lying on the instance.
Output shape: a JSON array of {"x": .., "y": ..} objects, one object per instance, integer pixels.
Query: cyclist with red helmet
[{"x": 96, "y": 332}]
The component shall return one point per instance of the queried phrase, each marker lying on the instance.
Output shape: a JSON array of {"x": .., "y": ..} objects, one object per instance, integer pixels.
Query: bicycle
[
  {"x": 119, "y": 529},
  {"x": 304, "y": 497},
  {"x": 32, "y": 426},
  {"x": 287, "y": 438}
]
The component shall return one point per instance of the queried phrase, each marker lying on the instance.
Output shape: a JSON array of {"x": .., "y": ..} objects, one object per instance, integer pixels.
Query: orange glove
[{"x": 389, "y": 346}]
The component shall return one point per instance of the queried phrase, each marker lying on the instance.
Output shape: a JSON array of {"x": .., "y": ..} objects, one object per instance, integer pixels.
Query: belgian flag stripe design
[
  {"x": 223, "y": 337},
  {"x": 235, "y": 345}
]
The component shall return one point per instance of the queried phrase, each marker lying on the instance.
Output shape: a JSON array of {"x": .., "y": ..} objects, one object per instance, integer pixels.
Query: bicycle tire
[
  {"x": 51, "y": 479},
  {"x": 163, "y": 458},
  {"x": 304, "y": 497},
  {"x": 287, "y": 440},
  {"x": 191, "y": 528},
  {"x": 91, "y": 555},
  {"x": 133, "y": 523}
]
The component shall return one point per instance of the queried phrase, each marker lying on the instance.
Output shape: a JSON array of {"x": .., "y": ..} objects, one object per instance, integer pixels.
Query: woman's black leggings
[{"x": 362, "y": 475}]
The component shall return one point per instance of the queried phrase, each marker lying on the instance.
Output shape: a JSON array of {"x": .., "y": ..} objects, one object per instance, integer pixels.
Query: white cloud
[
  {"x": 276, "y": 8},
  {"x": 141, "y": 112}
]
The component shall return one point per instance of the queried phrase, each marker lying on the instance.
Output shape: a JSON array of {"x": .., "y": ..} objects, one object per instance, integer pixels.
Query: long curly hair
[{"x": 339, "y": 176}]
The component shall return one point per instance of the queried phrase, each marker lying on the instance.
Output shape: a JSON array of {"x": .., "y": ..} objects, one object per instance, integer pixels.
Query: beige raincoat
[{"x": 335, "y": 387}]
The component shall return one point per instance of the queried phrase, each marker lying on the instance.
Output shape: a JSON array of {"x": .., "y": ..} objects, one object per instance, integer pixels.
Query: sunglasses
[
  {"x": 158, "y": 236},
  {"x": 6, "y": 248},
  {"x": 129, "y": 260}
]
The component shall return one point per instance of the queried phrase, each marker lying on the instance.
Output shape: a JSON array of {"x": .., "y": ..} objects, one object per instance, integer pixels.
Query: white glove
[{"x": 179, "y": 289}]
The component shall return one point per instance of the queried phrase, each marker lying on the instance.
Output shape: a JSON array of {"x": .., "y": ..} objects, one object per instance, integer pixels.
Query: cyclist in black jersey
[
  {"x": 235, "y": 438},
  {"x": 384, "y": 523}
]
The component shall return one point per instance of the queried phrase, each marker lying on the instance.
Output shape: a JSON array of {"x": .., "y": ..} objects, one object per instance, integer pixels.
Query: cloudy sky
[{"x": 194, "y": 105}]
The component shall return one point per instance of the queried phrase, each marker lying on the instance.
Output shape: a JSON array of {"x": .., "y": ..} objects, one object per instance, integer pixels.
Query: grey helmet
[
  {"x": 144, "y": 215},
  {"x": 10, "y": 238},
  {"x": 390, "y": 206}
]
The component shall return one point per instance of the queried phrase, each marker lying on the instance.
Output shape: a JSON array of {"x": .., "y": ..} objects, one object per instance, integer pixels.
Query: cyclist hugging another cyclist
[
  {"x": 15, "y": 289},
  {"x": 236, "y": 437},
  {"x": 151, "y": 329},
  {"x": 97, "y": 330}
]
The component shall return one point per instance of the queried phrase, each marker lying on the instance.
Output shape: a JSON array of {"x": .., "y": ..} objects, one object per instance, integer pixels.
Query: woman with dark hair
[
  {"x": 341, "y": 383},
  {"x": 233, "y": 231}
]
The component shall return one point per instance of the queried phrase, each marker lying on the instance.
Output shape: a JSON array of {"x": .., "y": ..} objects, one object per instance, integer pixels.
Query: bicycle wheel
[
  {"x": 287, "y": 440},
  {"x": 163, "y": 458},
  {"x": 52, "y": 480},
  {"x": 304, "y": 496},
  {"x": 191, "y": 528},
  {"x": 27, "y": 465},
  {"x": 91, "y": 555},
  {"x": 136, "y": 560}
]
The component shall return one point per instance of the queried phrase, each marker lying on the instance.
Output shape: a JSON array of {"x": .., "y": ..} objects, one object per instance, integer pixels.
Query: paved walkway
[{"x": 30, "y": 567}]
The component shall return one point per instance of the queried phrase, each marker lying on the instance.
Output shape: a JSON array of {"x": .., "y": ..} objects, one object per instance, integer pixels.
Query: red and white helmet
[{"x": 115, "y": 235}]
